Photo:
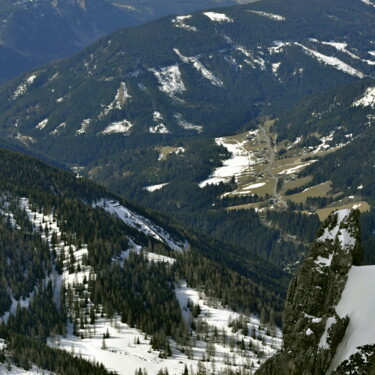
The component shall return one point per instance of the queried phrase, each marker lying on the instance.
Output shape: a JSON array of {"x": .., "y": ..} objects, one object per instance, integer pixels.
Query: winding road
[{"x": 272, "y": 158}]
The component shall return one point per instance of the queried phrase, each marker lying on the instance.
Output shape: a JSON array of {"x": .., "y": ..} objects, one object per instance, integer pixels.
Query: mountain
[
  {"x": 154, "y": 113},
  {"x": 325, "y": 321},
  {"x": 87, "y": 272},
  {"x": 36, "y": 32}
]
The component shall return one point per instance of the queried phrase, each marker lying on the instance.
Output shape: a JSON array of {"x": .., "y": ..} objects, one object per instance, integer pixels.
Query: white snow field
[
  {"x": 235, "y": 166},
  {"x": 358, "y": 302},
  {"x": 126, "y": 349}
]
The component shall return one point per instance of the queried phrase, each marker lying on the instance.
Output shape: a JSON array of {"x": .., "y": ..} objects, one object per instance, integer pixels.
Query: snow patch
[
  {"x": 323, "y": 343},
  {"x": 325, "y": 262},
  {"x": 271, "y": 16},
  {"x": 367, "y": 100},
  {"x": 358, "y": 304},
  {"x": 118, "y": 102},
  {"x": 254, "y": 186},
  {"x": 342, "y": 234},
  {"x": 153, "y": 188},
  {"x": 159, "y": 128},
  {"x": 200, "y": 68},
  {"x": 84, "y": 126},
  {"x": 254, "y": 61},
  {"x": 58, "y": 129},
  {"x": 170, "y": 80},
  {"x": 332, "y": 61},
  {"x": 235, "y": 166},
  {"x": 186, "y": 124},
  {"x": 275, "y": 67},
  {"x": 309, "y": 332},
  {"x": 218, "y": 17},
  {"x": 42, "y": 124},
  {"x": 22, "y": 88},
  {"x": 139, "y": 222},
  {"x": 296, "y": 168},
  {"x": 123, "y": 127},
  {"x": 179, "y": 21}
]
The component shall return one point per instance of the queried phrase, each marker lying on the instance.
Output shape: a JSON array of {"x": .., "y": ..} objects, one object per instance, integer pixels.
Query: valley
[
  {"x": 271, "y": 170},
  {"x": 161, "y": 187}
]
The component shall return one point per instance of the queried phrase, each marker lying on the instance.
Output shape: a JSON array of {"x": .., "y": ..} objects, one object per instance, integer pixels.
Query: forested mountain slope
[
  {"x": 79, "y": 263},
  {"x": 36, "y": 32}
]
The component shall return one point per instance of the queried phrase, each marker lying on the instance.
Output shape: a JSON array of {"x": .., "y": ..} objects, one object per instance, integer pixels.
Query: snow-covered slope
[
  {"x": 140, "y": 223},
  {"x": 358, "y": 304}
]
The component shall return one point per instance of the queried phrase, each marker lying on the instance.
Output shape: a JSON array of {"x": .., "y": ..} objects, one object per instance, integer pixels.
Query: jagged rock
[{"x": 312, "y": 329}]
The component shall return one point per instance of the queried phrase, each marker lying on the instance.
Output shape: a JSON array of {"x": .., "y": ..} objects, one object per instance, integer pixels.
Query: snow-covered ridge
[
  {"x": 140, "y": 223},
  {"x": 271, "y": 16},
  {"x": 179, "y": 21},
  {"x": 367, "y": 100},
  {"x": 218, "y": 17},
  {"x": 200, "y": 68},
  {"x": 170, "y": 80},
  {"x": 22, "y": 88}
]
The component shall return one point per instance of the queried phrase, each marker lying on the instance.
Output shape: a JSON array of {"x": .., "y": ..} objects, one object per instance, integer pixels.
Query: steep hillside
[
  {"x": 325, "y": 321},
  {"x": 85, "y": 270}
]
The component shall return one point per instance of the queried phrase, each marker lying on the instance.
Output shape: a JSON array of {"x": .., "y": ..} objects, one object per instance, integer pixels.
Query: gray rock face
[{"x": 312, "y": 329}]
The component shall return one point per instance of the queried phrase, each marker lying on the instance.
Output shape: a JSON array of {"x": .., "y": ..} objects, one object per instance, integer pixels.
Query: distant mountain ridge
[{"x": 37, "y": 32}]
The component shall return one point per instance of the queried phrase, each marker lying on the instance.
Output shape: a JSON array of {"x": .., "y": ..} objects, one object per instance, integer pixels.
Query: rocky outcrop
[{"x": 311, "y": 327}]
